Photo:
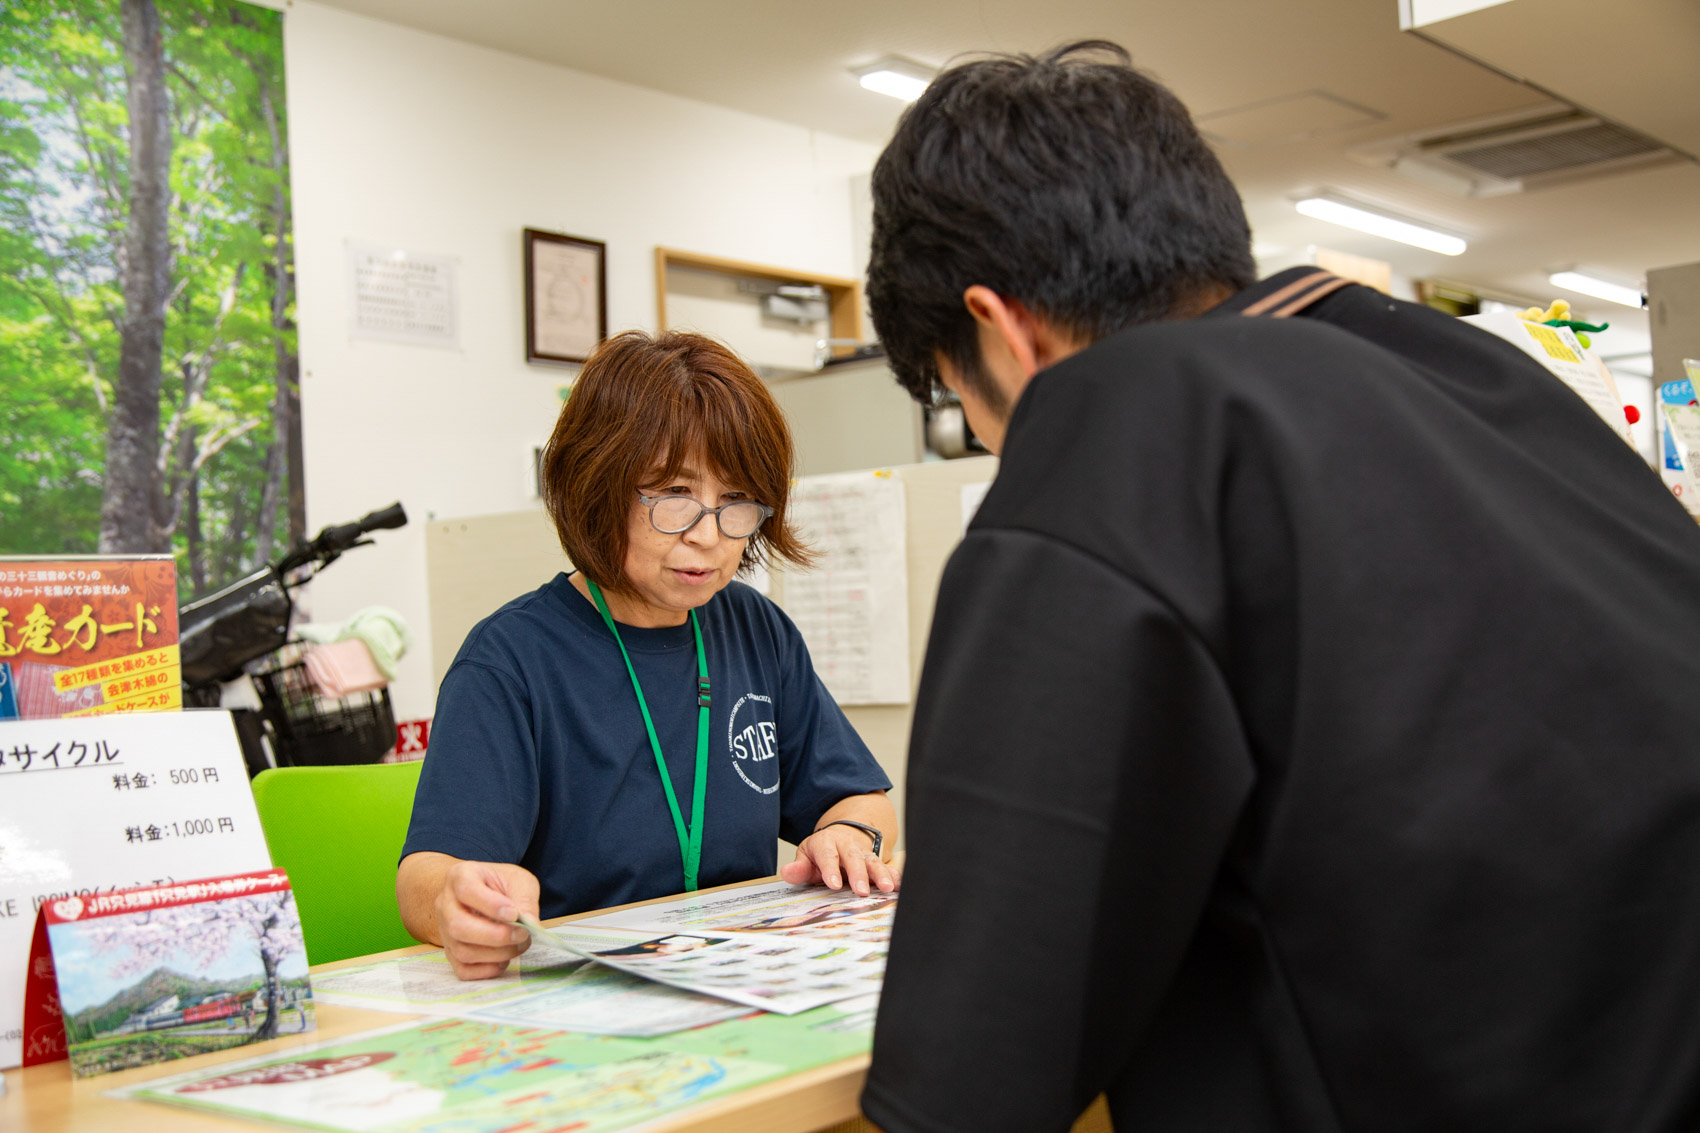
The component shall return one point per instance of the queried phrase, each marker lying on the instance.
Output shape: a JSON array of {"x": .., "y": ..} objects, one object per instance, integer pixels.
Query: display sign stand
[
  {"x": 165, "y": 971},
  {"x": 97, "y": 804}
]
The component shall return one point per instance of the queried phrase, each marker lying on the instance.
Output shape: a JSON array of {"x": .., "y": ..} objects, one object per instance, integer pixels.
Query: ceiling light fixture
[
  {"x": 1584, "y": 284},
  {"x": 1363, "y": 218},
  {"x": 900, "y": 78}
]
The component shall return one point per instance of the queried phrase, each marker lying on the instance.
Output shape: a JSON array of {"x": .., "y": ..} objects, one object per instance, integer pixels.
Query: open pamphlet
[
  {"x": 777, "y": 947},
  {"x": 566, "y": 995},
  {"x": 807, "y": 937},
  {"x": 774, "y": 908}
]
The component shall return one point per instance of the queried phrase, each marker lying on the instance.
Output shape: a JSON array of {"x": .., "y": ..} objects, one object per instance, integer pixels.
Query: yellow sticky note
[{"x": 1551, "y": 342}]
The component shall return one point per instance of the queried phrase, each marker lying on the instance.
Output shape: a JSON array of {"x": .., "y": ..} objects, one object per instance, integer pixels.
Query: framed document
[{"x": 566, "y": 296}]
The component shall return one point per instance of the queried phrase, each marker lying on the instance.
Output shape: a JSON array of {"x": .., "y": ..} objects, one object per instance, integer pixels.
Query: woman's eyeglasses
[{"x": 672, "y": 515}]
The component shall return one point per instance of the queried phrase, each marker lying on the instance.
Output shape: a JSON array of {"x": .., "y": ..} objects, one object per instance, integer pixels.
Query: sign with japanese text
[
  {"x": 88, "y": 635},
  {"x": 1679, "y": 433},
  {"x": 400, "y": 296},
  {"x": 411, "y": 739},
  {"x": 90, "y": 805},
  {"x": 144, "y": 975}
]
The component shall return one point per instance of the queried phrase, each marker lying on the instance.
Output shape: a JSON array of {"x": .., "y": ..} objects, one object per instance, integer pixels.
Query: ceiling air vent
[{"x": 1545, "y": 145}]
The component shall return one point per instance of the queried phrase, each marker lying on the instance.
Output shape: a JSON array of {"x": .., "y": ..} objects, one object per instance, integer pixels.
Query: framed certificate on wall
[{"x": 566, "y": 296}]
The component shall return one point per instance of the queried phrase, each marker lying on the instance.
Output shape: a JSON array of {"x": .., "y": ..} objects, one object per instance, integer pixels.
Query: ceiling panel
[{"x": 1636, "y": 63}]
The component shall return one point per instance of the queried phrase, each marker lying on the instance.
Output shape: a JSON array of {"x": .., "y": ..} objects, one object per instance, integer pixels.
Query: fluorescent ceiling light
[
  {"x": 902, "y": 79},
  {"x": 1598, "y": 288},
  {"x": 904, "y": 87},
  {"x": 1388, "y": 227}
]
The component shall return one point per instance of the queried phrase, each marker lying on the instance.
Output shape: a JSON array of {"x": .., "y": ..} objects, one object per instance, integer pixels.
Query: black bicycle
[{"x": 242, "y": 632}]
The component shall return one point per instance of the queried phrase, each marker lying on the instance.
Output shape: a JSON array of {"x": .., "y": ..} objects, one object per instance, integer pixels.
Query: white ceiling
[
  {"x": 790, "y": 60},
  {"x": 1655, "y": 40}
]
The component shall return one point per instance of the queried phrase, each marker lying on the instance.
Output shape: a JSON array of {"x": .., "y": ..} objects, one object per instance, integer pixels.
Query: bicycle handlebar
[
  {"x": 222, "y": 632},
  {"x": 334, "y": 540}
]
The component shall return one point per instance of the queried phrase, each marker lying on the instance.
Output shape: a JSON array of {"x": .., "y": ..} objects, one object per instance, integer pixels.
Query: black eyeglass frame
[{"x": 702, "y": 510}]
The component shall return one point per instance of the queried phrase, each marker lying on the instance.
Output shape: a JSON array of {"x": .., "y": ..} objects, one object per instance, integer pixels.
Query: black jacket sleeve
[{"x": 1075, "y": 772}]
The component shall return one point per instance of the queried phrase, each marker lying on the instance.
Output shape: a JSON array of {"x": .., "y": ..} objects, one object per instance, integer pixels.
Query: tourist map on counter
[{"x": 481, "y": 1077}]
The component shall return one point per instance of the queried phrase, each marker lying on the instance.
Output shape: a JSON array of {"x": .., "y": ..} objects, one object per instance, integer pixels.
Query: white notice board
[
  {"x": 395, "y": 295},
  {"x": 853, "y": 607},
  {"x": 99, "y": 803}
]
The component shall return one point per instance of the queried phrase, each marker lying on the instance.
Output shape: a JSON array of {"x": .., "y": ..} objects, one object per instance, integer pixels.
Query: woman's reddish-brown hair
[{"x": 644, "y": 401}]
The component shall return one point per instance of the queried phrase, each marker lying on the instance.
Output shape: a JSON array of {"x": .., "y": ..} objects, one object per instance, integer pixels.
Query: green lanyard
[{"x": 690, "y": 840}]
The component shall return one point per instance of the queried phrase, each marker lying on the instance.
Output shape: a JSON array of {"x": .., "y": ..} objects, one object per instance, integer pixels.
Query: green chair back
[{"x": 338, "y": 832}]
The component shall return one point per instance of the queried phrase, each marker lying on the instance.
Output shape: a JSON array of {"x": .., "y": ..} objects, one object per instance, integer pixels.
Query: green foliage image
[{"x": 148, "y": 370}]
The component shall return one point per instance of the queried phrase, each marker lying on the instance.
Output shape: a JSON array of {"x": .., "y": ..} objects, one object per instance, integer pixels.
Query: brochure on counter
[
  {"x": 774, "y": 908},
  {"x": 776, "y": 947},
  {"x": 814, "y": 946},
  {"x": 568, "y": 995},
  {"x": 482, "y": 1076}
]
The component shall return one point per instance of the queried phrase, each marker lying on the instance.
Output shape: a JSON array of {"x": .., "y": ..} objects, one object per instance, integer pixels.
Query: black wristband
[{"x": 879, "y": 839}]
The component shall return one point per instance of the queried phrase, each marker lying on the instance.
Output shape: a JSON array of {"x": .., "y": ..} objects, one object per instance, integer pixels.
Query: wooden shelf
[{"x": 844, "y": 296}]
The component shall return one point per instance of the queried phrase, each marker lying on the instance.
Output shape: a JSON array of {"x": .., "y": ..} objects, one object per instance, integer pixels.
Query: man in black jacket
[{"x": 1329, "y": 671}]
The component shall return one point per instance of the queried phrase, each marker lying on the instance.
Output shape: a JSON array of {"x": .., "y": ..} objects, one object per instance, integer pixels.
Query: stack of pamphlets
[
  {"x": 654, "y": 969},
  {"x": 777, "y": 947}
]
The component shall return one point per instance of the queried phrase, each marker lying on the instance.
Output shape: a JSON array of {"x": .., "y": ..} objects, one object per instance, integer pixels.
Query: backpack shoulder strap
[{"x": 1298, "y": 295}]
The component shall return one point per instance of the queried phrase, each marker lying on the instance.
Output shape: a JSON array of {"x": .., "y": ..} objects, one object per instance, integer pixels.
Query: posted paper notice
[
  {"x": 852, "y": 608},
  {"x": 395, "y": 295}
]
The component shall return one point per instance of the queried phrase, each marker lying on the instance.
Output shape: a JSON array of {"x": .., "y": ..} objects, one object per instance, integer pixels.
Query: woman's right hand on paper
[{"x": 478, "y": 906}]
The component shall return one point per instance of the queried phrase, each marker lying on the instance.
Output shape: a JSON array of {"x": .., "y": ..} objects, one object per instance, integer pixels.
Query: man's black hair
[{"x": 1070, "y": 182}]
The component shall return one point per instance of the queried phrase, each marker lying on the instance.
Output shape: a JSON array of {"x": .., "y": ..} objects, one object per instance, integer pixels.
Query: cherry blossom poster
[{"x": 146, "y": 975}]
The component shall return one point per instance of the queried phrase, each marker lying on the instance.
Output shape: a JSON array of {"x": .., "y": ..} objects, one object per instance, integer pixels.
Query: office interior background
[{"x": 1547, "y": 135}]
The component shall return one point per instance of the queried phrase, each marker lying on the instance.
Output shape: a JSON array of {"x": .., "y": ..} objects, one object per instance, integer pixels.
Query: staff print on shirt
[{"x": 753, "y": 743}]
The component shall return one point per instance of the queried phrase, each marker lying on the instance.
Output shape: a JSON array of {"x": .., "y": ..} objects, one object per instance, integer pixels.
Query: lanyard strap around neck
[{"x": 690, "y": 838}]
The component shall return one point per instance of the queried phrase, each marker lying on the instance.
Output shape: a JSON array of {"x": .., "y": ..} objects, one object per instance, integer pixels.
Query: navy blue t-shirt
[{"x": 539, "y": 756}]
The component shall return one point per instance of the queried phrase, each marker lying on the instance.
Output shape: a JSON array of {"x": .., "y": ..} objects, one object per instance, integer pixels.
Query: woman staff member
[{"x": 645, "y": 725}]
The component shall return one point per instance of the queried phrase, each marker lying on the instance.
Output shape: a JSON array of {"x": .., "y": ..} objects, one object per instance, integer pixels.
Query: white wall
[{"x": 408, "y": 140}]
